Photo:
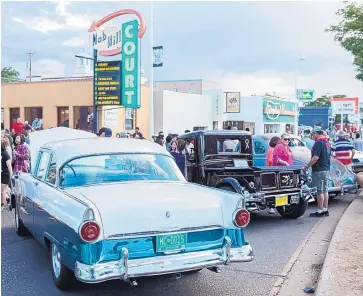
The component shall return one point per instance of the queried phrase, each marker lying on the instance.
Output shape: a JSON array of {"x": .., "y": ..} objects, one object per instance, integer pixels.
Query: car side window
[
  {"x": 301, "y": 143},
  {"x": 259, "y": 148},
  {"x": 42, "y": 166},
  {"x": 52, "y": 171}
]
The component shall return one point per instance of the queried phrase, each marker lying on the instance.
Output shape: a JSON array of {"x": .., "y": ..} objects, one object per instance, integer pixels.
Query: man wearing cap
[
  {"x": 320, "y": 164},
  {"x": 307, "y": 139},
  {"x": 343, "y": 150}
]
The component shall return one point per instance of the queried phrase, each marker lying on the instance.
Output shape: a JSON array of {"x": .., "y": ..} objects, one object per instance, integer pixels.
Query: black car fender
[{"x": 232, "y": 182}]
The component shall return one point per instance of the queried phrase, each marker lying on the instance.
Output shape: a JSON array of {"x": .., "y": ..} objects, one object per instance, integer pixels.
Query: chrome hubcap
[
  {"x": 56, "y": 261},
  {"x": 16, "y": 219}
]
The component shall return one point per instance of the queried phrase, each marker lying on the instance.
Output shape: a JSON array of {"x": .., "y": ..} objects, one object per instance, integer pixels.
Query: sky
[{"x": 248, "y": 47}]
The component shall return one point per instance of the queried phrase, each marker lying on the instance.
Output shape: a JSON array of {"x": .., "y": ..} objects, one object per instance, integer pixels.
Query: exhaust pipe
[{"x": 178, "y": 276}]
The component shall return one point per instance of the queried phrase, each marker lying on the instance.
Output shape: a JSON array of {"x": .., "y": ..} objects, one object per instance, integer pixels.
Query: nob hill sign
[{"x": 112, "y": 41}]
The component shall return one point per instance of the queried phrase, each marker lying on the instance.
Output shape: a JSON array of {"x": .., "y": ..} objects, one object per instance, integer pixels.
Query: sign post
[{"x": 116, "y": 82}]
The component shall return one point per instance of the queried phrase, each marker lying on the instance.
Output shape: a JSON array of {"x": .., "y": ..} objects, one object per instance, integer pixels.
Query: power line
[{"x": 30, "y": 64}]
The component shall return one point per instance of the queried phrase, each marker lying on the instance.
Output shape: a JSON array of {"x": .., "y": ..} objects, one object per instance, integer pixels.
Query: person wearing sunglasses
[{"x": 282, "y": 155}]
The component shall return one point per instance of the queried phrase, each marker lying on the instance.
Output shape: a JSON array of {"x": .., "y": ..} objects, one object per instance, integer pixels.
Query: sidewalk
[{"x": 342, "y": 273}]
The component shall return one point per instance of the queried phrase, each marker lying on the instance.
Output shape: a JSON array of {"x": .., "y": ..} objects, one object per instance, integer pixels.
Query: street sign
[
  {"x": 130, "y": 92},
  {"x": 305, "y": 95},
  {"x": 158, "y": 56},
  {"x": 107, "y": 83}
]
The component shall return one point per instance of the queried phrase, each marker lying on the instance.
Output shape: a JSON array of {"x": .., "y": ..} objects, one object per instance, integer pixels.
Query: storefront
[
  {"x": 262, "y": 115},
  {"x": 68, "y": 103}
]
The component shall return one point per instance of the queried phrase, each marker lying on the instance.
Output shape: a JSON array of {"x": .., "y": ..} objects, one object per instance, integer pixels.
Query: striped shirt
[{"x": 342, "y": 148}]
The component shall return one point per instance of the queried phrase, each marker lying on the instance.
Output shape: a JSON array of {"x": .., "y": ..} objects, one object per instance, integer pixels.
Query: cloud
[
  {"x": 49, "y": 68},
  {"x": 328, "y": 80},
  {"x": 74, "y": 42},
  {"x": 67, "y": 20}
]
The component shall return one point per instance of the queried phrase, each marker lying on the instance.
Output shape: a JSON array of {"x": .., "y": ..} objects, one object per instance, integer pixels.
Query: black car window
[
  {"x": 259, "y": 148},
  {"x": 52, "y": 171}
]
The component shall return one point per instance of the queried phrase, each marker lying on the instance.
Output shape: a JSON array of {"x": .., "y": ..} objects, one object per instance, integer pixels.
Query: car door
[
  {"x": 39, "y": 174},
  {"x": 44, "y": 195},
  {"x": 259, "y": 152}
]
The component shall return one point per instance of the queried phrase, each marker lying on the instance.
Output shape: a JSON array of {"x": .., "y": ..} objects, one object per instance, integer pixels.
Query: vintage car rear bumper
[
  {"x": 344, "y": 188},
  {"x": 126, "y": 268}
]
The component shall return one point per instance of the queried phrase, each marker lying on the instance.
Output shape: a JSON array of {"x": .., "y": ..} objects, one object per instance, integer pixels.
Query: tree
[
  {"x": 9, "y": 74},
  {"x": 323, "y": 101},
  {"x": 349, "y": 33}
]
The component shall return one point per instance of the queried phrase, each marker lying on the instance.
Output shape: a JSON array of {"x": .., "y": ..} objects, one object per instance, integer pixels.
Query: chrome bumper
[
  {"x": 125, "y": 268},
  {"x": 305, "y": 192},
  {"x": 343, "y": 189}
]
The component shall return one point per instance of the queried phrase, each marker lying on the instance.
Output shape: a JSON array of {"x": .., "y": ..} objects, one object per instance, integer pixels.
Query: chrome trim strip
[{"x": 153, "y": 233}]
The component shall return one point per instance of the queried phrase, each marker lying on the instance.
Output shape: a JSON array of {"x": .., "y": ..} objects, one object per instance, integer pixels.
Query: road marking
[{"x": 290, "y": 264}]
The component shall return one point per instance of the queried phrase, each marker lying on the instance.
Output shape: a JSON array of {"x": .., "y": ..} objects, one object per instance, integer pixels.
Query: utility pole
[{"x": 30, "y": 64}]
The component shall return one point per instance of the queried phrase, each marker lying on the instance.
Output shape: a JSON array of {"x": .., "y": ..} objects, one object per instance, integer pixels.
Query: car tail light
[
  {"x": 89, "y": 231},
  {"x": 241, "y": 218}
]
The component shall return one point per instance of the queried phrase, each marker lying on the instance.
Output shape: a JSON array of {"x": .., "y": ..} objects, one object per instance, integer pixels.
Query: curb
[{"x": 342, "y": 270}]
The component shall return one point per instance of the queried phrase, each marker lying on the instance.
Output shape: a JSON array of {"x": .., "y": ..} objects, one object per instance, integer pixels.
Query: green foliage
[
  {"x": 9, "y": 74},
  {"x": 349, "y": 33},
  {"x": 323, "y": 101}
]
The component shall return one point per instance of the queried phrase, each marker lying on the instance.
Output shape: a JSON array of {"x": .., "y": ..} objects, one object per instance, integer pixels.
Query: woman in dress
[
  {"x": 21, "y": 155},
  {"x": 173, "y": 146},
  {"x": 179, "y": 157},
  {"x": 282, "y": 155},
  {"x": 6, "y": 173}
]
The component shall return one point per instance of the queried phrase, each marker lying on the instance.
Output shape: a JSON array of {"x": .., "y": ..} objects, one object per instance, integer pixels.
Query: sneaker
[
  {"x": 271, "y": 211},
  {"x": 317, "y": 214},
  {"x": 326, "y": 213}
]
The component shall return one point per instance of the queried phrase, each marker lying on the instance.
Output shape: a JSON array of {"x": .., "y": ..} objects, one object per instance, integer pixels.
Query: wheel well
[{"x": 47, "y": 244}]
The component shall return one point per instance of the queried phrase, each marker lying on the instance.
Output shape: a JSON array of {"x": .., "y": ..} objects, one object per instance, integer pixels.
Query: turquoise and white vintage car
[{"x": 109, "y": 208}]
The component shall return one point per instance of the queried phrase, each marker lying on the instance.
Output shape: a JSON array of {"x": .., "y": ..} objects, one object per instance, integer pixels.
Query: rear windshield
[{"x": 228, "y": 144}]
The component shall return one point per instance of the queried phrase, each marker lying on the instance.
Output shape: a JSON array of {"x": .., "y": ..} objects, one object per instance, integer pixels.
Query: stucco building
[{"x": 67, "y": 102}]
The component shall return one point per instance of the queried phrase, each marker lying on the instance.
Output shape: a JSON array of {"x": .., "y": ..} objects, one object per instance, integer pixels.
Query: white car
[{"x": 109, "y": 208}]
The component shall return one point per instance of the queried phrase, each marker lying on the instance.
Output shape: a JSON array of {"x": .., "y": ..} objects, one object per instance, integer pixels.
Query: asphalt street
[{"x": 25, "y": 266}]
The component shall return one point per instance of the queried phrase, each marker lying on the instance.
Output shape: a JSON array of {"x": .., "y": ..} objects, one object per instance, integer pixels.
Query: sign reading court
[{"x": 130, "y": 94}]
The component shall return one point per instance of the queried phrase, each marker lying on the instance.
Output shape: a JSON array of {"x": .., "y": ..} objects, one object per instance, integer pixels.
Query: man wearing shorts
[{"x": 320, "y": 164}]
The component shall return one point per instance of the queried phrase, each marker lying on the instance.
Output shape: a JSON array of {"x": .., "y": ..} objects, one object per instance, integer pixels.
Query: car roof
[
  {"x": 270, "y": 136},
  {"x": 215, "y": 133},
  {"x": 68, "y": 149}
]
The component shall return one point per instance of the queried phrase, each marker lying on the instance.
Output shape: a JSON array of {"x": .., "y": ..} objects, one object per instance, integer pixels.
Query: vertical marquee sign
[{"x": 130, "y": 94}]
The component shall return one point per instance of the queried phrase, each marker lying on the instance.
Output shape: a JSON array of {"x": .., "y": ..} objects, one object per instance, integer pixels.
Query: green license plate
[{"x": 171, "y": 242}]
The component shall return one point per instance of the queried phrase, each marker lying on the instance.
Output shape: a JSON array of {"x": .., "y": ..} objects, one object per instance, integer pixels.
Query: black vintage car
[{"x": 223, "y": 159}]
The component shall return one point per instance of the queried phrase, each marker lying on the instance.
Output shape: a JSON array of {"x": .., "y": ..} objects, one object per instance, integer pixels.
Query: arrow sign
[{"x": 95, "y": 27}]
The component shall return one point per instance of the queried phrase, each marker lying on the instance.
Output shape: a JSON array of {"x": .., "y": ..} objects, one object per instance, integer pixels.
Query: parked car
[
  {"x": 358, "y": 162},
  {"x": 108, "y": 208},
  {"x": 223, "y": 159},
  {"x": 341, "y": 180}
]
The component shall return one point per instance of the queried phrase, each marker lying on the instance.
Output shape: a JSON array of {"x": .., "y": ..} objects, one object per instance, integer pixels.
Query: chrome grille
[
  {"x": 286, "y": 179},
  {"x": 268, "y": 180}
]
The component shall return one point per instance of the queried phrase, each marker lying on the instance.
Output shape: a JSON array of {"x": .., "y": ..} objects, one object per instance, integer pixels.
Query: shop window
[
  {"x": 175, "y": 89},
  {"x": 83, "y": 118},
  {"x": 14, "y": 114},
  {"x": 2, "y": 118},
  {"x": 129, "y": 119},
  {"x": 63, "y": 116},
  {"x": 259, "y": 148},
  {"x": 33, "y": 112},
  {"x": 271, "y": 128},
  {"x": 191, "y": 90}
]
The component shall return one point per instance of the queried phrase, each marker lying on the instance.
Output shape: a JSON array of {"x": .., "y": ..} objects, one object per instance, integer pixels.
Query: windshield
[{"x": 119, "y": 168}]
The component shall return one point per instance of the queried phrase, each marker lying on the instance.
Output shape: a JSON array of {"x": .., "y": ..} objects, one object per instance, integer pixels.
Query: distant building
[
  {"x": 84, "y": 66},
  {"x": 198, "y": 87}
]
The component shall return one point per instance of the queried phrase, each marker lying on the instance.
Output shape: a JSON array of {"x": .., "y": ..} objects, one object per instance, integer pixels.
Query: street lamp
[{"x": 295, "y": 96}]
